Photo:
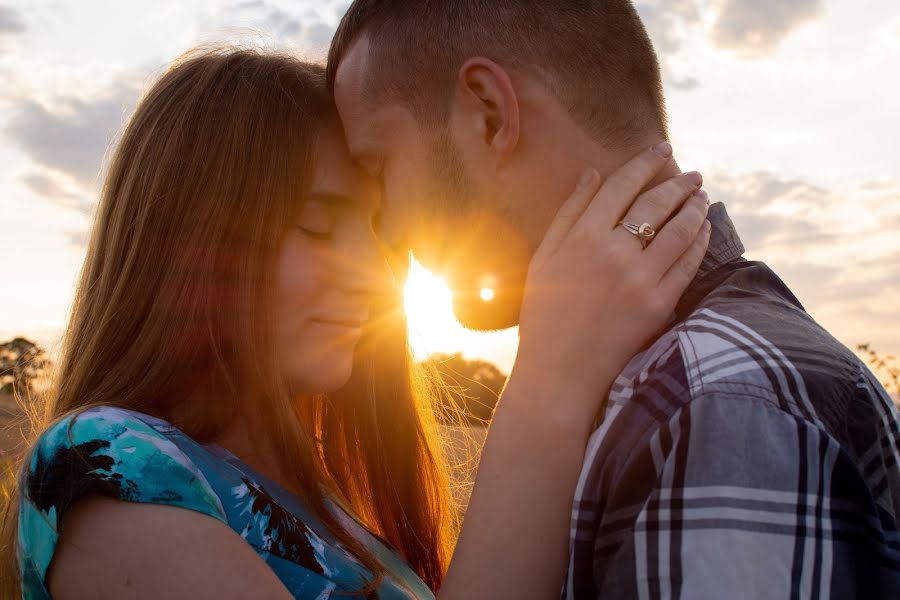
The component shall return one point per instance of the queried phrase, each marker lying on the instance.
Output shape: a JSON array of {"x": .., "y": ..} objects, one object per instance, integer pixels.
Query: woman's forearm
[{"x": 515, "y": 536}]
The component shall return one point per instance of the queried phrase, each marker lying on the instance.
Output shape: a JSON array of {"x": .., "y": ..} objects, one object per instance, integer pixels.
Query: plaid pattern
[{"x": 745, "y": 454}]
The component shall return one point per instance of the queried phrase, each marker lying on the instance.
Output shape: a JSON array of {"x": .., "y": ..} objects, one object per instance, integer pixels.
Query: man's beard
[
  {"x": 476, "y": 244},
  {"x": 452, "y": 191}
]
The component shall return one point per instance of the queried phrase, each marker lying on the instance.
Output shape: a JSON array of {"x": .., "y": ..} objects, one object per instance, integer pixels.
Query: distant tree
[
  {"x": 22, "y": 362},
  {"x": 470, "y": 387},
  {"x": 883, "y": 365}
]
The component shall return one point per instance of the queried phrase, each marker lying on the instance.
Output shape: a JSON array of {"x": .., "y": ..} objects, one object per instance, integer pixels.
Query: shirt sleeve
[
  {"x": 745, "y": 501},
  {"x": 105, "y": 451}
]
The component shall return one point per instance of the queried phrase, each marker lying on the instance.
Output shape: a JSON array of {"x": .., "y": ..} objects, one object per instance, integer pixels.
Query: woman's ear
[{"x": 487, "y": 103}]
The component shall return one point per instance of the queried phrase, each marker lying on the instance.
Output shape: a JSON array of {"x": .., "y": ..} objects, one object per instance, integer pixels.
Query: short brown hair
[{"x": 595, "y": 55}]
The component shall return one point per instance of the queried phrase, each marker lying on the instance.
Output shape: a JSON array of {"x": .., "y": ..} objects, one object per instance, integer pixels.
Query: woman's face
[{"x": 329, "y": 267}]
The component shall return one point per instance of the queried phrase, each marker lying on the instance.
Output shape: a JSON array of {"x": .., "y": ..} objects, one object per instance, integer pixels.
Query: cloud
[
  {"x": 281, "y": 22},
  {"x": 318, "y": 33},
  {"x": 684, "y": 84},
  {"x": 339, "y": 9},
  {"x": 11, "y": 21},
  {"x": 837, "y": 250},
  {"x": 750, "y": 28},
  {"x": 758, "y": 191},
  {"x": 49, "y": 187},
  {"x": 79, "y": 238},
  {"x": 880, "y": 185},
  {"x": 662, "y": 25},
  {"x": 755, "y": 27},
  {"x": 669, "y": 22},
  {"x": 11, "y": 24},
  {"x": 306, "y": 30},
  {"x": 72, "y": 134}
]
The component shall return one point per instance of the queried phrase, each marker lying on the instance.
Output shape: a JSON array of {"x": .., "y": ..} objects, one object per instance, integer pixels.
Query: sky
[{"x": 788, "y": 107}]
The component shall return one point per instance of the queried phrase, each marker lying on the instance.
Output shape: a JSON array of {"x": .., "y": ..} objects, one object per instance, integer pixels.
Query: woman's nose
[{"x": 365, "y": 269}]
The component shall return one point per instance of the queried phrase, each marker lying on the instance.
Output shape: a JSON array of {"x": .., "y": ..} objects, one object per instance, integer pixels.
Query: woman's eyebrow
[{"x": 330, "y": 198}]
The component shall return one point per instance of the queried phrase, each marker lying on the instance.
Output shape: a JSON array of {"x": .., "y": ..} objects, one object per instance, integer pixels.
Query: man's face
[{"x": 450, "y": 215}]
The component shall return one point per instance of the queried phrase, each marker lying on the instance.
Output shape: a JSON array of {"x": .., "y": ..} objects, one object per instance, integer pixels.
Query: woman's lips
[{"x": 345, "y": 323}]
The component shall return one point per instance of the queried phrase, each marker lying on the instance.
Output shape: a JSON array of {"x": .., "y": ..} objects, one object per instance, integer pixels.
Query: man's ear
[{"x": 489, "y": 104}]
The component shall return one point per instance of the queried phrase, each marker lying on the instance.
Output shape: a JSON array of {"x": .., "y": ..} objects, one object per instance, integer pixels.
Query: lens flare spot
[
  {"x": 434, "y": 328},
  {"x": 487, "y": 294}
]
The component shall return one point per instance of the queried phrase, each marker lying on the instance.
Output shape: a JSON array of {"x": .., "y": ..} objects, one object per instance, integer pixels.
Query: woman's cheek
[
  {"x": 303, "y": 277},
  {"x": 303, "y": 272}
]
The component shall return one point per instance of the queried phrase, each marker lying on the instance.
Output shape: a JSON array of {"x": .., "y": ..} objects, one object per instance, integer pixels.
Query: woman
[{"x": 234, "y": 414}]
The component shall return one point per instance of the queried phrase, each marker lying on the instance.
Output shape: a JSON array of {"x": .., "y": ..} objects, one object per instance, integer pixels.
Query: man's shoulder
[
  {"x": 725, "y": 434},
  {"x": 749, "y": 339},
  {"x": 750, "y": 335}
]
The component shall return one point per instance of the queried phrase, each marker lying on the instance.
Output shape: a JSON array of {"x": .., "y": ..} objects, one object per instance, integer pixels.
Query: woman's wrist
[{"x": 550, "y": 399}]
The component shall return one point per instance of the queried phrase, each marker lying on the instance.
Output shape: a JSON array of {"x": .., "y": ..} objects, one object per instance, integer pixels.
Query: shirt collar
[{"x": 725, "y": 245}]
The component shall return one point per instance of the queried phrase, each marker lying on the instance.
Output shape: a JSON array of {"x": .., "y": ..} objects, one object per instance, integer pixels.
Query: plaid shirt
[{"x": 745, "y": 454}]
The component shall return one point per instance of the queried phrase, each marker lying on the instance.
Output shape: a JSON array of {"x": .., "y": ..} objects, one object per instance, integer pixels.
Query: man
[{"x": 745, "y": 453}]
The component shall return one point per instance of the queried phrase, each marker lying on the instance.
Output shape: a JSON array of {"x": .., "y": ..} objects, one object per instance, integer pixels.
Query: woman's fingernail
[
  {"x": 707, "y": 226},
  {"x": 664, "y": 149},
  {"x": 586, "y": 178},
  {"x": 694, "y": 177},
  {"x": 702, "y": 196}
]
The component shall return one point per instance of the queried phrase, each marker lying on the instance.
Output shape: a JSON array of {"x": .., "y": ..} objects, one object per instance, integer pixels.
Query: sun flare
[{"x": 428, "y": 304}]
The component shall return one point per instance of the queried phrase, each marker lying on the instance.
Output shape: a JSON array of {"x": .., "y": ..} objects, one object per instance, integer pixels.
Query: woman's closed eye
[{"x": 317, "y": 220}]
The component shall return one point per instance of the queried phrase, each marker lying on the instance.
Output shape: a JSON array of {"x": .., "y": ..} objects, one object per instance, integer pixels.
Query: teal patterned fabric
[{"x": 134, "y": 457}]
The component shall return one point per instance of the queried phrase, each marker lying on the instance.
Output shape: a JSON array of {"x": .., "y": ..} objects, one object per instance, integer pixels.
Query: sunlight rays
[{"x": 428, "y": 304}]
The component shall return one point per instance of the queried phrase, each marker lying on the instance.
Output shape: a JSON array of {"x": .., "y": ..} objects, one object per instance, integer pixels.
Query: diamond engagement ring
[{"x": 644, "y": 232}]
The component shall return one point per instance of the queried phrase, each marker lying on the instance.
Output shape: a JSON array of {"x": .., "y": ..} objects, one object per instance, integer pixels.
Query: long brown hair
[{"x": 171, "y": 316}]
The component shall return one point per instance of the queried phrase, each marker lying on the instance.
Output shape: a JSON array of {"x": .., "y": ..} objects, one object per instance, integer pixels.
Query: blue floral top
[{"x": 134, "y": 457}]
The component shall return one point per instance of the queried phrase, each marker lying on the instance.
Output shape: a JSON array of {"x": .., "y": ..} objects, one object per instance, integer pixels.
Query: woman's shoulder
[
  {"x": 117, "y": 452},
  {"x": 108, "y": 451},
  {"x": 104, "y": 422}
]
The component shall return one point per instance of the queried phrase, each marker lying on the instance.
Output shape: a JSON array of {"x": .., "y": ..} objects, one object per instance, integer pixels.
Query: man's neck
[
  {"x": 670, "y": 170},
  {"x": 565, "y": 150},
  {"x": 607, "y": 162}
]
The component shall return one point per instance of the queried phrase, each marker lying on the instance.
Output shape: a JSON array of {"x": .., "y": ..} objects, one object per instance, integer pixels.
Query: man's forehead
[
  {"x": 349, "y": 89},
  {"x": 368, "y": 128},
  {"x": 352, "y": 70}
]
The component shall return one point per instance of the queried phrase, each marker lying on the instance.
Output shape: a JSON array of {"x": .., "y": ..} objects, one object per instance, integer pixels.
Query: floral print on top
[{"x": 134, "y": 457}]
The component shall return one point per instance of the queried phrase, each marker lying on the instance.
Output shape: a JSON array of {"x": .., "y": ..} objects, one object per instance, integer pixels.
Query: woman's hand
[{"x": 594, "y": 296}]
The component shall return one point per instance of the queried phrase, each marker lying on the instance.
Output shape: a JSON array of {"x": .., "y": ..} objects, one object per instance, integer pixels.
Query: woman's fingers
[
  {"x": 621, "y": 188},
  {"x": 569, "y": 213},
  {"x": 656, "y": 205},
  {"x": 677, "y": 236},
  {"x": 682, "y": 273}
]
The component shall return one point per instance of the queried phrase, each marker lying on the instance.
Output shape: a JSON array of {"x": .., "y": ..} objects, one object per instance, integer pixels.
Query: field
[
  {"x": 9, "y": 413},
  {"x": 463, "y": 449}
]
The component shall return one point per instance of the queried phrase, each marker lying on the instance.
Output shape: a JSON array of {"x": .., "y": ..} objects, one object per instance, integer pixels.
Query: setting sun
[{"x": 428, "y": 304}]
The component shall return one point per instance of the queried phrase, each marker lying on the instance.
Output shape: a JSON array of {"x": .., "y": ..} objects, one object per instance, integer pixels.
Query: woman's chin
[{"x": 325, "y": 375}]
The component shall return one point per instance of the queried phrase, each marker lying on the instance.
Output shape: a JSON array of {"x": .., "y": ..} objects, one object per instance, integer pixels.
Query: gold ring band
[{"x": 644, "y": 232}]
